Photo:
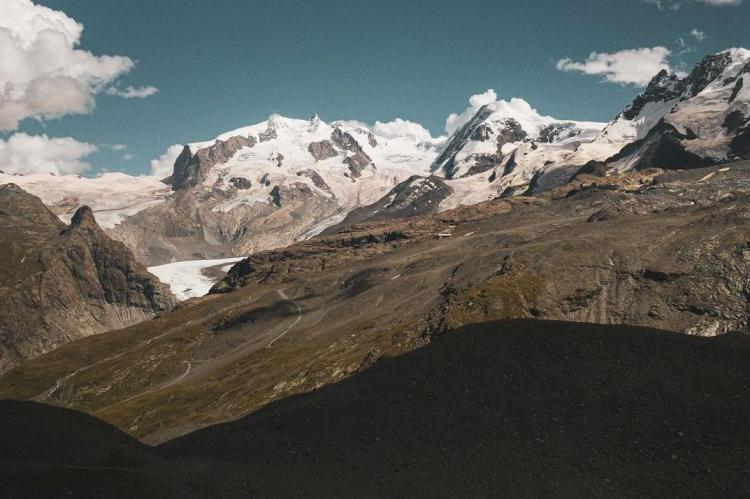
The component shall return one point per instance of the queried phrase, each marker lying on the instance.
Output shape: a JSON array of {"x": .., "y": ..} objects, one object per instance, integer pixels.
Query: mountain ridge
[
  {"x": 59, "y": 283},
  {"x": 282, "y": 180}
]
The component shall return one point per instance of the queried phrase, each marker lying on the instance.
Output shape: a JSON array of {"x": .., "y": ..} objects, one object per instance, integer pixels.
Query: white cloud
[
  {"x": 118, "y": 147},
  {"x": 698, "y": 35},
  {"x": 626, "y": 67},
  {"x": 455, "y": 121},
  {"x": 42, "y": 72},
  {"x": 483, "y": 99},
  {"x": 25, "y": 154},
  {"x": 401, "y": 128},
  {"x": 351, "y": 124},
  {"x": 132, "y": 92},
  {"x": 127, "y": 157},
  {"x": 163, "y": 165},
  {"x": 677, "y": 4},
  {"x": 516, "y": 108},
  {"x": 720, "y": 2}
]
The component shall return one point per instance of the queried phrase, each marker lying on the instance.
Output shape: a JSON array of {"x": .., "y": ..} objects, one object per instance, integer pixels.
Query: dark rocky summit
[
  {"x": 191, "y": 169},
  {"x": 446, "y": 160},
  {"x": 665, "y": 87},
  {"x": 60, "y": 283}
]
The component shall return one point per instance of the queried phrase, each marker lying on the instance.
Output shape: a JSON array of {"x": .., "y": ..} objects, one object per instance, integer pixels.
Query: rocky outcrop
[
  {"x": 413, "y": 197},
  {"x": 61, "y": 283},
  {"x": 240, "y": 183},
  {"x": 556, "y": 131},
  {"x": 344, "y": 140},
  {"x": 661, "y": 148},
  {"x": 316, "y": 179},
  {"x": 191, "y": 169},
  {"x": 357, "y": 163},
  {"x": 322, "y": 150}
]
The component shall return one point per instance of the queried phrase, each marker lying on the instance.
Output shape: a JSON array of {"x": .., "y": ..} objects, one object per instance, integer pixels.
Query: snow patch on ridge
[{"x": 188, "y": 279}]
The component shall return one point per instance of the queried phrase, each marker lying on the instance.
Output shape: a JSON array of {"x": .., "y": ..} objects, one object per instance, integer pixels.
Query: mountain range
[
  {"x": 268, "y": 185},
  {"x": 531, "y": 305}
]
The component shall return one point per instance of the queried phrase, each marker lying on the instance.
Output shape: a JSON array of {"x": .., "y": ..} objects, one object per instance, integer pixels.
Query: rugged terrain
[
  {"x": 520, "y": 408},
  {"x": 284, "y": 180},
  {"x": 663, "y": 249},
  {"x": 59, "y": 283}
]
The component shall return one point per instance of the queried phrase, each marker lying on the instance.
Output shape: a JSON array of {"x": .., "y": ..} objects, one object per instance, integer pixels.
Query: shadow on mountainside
[{"x": 520, "y": 408}]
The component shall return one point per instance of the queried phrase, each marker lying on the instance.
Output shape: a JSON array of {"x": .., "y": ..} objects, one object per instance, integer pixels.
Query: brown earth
[{"x": 669, "y": 251}]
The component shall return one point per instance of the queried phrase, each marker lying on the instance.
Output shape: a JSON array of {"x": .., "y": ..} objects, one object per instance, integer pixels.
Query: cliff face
[{"x": 61, "y": 283}]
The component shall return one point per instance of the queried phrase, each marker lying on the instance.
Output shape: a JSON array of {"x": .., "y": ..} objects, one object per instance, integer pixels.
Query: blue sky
[{"x": 223, "y": 64}]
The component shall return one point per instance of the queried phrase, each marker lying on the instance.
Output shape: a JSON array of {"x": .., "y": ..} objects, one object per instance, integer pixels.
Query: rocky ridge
[{"x": 60, "y": 283}]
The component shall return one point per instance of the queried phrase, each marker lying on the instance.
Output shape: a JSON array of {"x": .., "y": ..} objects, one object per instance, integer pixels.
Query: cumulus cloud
[
  {"x": 25, "y": 154},
  {"x": 43, "y": 73},
  {"x": 516, "y": 107},
  {"x": 479, "y": 100},
  {"x": 626, "y": 67},
  {"x": 401, "y": 128},
  {"x": 132, "y": 92},
  {"x": 456, "y": 121},
  {"x": 162, "y": 166}
]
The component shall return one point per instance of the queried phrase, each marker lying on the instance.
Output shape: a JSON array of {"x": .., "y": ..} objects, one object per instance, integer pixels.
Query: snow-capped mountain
[
  {"x": 687, "y": 122},
  {"x": 507, "y": 148},
  {"x": 498, "y": 129},
  {"x": 342, "y": 160},
  {"x": 270, "y": 184}
]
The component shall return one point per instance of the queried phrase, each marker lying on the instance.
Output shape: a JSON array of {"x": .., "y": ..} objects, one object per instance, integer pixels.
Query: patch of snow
[{"x": 187, "y": 279}]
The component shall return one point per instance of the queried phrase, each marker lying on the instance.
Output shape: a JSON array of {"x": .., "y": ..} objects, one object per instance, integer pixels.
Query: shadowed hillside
[{"x": 520, "y": 408}]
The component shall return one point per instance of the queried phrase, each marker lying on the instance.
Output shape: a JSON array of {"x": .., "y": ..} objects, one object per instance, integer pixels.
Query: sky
[{"x": 88, "y": 86}]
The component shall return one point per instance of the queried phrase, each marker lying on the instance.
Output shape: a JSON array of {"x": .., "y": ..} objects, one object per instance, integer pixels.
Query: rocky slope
[
  {"x": 59, "y": 283},
  {"x": 650, "y": 248},
  {"x": 532, "y": 408}
]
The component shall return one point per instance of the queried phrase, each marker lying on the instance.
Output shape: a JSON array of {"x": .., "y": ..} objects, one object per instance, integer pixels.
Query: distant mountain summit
[
  {"x": 676, "y": 123},
  {"x": 687, "y": 122},
  {"x": 491, "y": 137}
]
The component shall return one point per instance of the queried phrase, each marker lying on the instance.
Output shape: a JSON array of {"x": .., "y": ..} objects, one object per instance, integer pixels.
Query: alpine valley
[{"x": 286, "y": 303}]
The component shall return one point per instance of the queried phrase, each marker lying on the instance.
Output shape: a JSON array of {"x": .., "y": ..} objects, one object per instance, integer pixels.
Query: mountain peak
[
  {"x": 11, "y": 188},
  {"x": 84, "y": 217}
]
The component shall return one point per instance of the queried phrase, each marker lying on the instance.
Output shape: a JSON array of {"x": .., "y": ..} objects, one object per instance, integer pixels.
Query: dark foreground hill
[{"x": 517, "y": 408}]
